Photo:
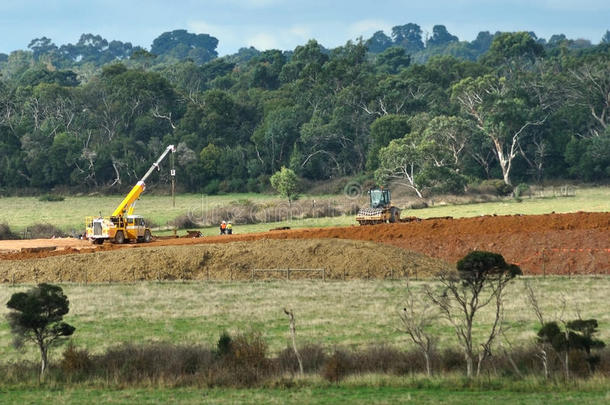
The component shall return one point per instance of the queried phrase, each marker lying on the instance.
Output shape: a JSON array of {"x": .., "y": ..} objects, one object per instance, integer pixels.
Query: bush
[
  {"x": 212, "y": 188},
  {"x": 183, "y": 221},
  {"x": 76, "y": 361},
  {"x": 312, "y": 356},
  {"x": 337, "y": 366},
  {"x": 50, "y": 198},
  {"x": 6, "y": 233},
  {"x": 495, "y": 187},
  {"x": 45, "y": 231}
]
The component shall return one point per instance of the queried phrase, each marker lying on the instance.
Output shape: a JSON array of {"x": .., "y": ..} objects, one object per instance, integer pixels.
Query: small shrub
[
  {"x": 6, "y": 233},
  {"x": 75, "y": 360},
  {"x": 521, "y": 190},
  {"x": 45, "y": 231},
  {"x": 50, "y": 198},
  {"x": 495, "y": 187},
  {"x": 312, "y": 356},
  {"x": 336, "y": 367},
  {"x": 418, "y": 205},
  {"x": 224, "y": 345},
  {"x": 183, "y": 221}
]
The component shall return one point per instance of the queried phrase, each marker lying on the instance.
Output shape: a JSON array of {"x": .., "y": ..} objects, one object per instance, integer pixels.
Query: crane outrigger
[{"x": 123, "y": 225}]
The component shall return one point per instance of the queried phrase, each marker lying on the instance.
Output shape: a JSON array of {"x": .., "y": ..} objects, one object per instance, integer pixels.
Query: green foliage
[
  {"x": 477, "y": 266},
  {"x": 575, "y": 335},
  {"x": 37, "y": 316},
  {"x": 50, "y": 197},
  {"x": 93, "y": 115},
  {"x": 286, "y": 183}
]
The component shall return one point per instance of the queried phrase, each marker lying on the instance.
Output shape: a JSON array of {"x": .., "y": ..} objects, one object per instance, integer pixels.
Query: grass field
[
  {"x": 68, "y": 215},
  {"x": 355, "y": 390},
  {"x": 349, "y": 314}
]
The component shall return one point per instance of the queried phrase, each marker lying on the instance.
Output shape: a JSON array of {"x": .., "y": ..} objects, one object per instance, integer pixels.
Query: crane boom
[{"x": 131, "y": 198}]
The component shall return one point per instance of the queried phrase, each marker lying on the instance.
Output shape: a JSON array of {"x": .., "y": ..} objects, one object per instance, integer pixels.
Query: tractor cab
[{"x": 380, "y": 198}]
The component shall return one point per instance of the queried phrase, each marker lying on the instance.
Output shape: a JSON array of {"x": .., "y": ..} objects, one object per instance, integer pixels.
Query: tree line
[{"x": 436, "y": 115}]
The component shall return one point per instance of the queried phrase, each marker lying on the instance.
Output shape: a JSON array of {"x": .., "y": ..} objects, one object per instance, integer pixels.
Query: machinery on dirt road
[
  {"x": 380, "y": 209},
  {"x": 123, "y": 225}
]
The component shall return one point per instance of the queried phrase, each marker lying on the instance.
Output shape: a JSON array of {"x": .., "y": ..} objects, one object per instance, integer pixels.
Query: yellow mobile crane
[{"x": 122, "y": 225}]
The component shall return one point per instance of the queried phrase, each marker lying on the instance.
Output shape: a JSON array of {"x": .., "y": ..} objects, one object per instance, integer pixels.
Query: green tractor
[{"x": 380, "y": 210}]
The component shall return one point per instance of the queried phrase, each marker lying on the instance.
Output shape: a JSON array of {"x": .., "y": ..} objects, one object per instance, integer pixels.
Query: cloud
[
  {"x": 366, "y": 28},
  {"x": 263, "y": 41}
]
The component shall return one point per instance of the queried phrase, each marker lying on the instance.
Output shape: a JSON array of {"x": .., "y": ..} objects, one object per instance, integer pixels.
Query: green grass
[
  {"x": 311, "y": 390},
  {"x": 349, "y": 314},
  {"x": 68, "y": 215}
]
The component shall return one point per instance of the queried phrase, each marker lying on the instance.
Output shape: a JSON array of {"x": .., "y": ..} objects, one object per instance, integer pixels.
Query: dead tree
[
  {"x": 293, "y": 335},
  {"x": 481, "y": 279},
  {"x": 415, "y": 323}
]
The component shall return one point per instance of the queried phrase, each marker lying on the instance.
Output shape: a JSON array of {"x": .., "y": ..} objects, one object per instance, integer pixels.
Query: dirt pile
[
  {"x": 577, "y": 243},
  {"x": 340, "y": 259}
]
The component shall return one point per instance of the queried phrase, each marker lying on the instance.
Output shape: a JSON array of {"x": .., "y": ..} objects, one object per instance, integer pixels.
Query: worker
[
  {"x": 223, "y": 227},
  {"x": 230, "y": 228}
]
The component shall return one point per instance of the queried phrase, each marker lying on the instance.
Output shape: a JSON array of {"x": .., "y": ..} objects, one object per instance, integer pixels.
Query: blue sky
[{"x": 284, "y": 24}]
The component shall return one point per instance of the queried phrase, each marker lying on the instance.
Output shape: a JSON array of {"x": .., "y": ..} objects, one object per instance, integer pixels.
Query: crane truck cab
[
  {"x": 122, "y": 225},
  {"x": 118, "y": 229}
]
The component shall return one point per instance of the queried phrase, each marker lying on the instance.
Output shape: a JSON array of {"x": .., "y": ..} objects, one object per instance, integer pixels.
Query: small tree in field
[
  {"x": 37, "y": 316},
  {"x": 286, "y": 183},
  {"x": 480, "y": 280}
]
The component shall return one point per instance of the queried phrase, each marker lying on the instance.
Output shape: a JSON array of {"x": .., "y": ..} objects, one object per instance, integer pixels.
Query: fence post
[
  {"x": 543, "y": 264},
  {"x": 324, "y": 275}
]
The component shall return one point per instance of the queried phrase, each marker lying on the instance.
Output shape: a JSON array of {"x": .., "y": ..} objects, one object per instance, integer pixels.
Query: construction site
[{"x": 551, "y": 244}]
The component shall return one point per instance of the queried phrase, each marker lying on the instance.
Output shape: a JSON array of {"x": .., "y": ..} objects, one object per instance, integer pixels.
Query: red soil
[{"x": 577, "y": 243}]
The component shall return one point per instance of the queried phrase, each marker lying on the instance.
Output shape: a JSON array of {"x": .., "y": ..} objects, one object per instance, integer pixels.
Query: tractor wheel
[
  {"x": 97, "y": 241},
  {"x": 119, "y": 238},
  {"x": 394, "y": 215},
  {"x": 147, "y": 236}
]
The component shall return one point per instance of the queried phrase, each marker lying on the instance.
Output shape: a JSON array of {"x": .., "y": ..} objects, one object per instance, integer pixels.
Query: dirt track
[{"x": 577, "y": 243}]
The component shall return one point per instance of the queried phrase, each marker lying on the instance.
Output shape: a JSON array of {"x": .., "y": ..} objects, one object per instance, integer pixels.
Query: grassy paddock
[
  {"x": 364, "y": 389},
  {"x": 68, "y": 215},
  {"x": 349, "y": 314}
]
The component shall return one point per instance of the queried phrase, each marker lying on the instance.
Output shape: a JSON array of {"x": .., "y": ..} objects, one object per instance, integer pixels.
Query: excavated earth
[
  {"x": 575, "y": 243},
  {"x": 324, "y": 259}
]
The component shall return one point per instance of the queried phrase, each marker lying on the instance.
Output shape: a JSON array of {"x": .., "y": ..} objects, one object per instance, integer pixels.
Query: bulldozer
[
  {"x": 123, "y": 226},
  {"x": 380, "y": 209}
]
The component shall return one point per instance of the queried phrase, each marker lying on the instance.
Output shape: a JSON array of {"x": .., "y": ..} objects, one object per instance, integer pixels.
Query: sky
[{"x": 284, "y": 24}]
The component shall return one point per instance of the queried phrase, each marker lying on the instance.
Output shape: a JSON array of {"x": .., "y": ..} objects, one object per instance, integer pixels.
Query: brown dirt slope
[
  {"x": 576, "y": 243},
  {"x": 341, "y": 259}
]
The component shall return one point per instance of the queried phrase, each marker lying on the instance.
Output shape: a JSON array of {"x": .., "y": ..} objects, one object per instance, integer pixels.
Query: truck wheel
[
  {"x": 394, "y": 215},
  {"x": 147, "y": 236},
  {"x": 119, "y": 238}
]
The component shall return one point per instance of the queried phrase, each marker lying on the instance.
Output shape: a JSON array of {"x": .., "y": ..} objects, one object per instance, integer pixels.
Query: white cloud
[
  {"x": 366, "y": 28},
  {"x": 263, "y": 41}
]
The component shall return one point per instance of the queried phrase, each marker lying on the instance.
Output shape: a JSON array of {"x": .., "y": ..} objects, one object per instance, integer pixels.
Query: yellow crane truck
[{"x": 123, "y": 225}]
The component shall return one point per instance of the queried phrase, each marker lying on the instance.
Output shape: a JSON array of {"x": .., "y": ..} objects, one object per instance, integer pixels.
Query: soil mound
[{"x": 263, "y": 259}]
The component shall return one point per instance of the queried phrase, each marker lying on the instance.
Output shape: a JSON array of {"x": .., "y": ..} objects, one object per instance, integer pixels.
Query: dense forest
[{"x": 434, "y": 113}]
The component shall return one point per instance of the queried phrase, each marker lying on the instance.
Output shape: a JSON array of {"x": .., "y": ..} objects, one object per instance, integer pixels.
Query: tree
[
  {"x": 384, "y": 130},
  {"x": 379, "y": 42},
  {"x": 408, "y": 36},
  {"x": 501, "y": 112},
  {"x": 440, "y": 36},
  {"x": 417, "y": 322},
  {"x": 37, "y": 316},
  {"x": 481, "y": 279},
  {"x": 392, "y": 60},
  {"x": 181, "y": 44},
  {"x": 286, "y": 183}
]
